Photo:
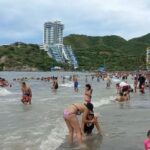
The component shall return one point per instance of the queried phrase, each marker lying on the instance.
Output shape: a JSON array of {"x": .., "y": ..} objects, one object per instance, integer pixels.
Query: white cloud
[{"x": 23, "y": 20}]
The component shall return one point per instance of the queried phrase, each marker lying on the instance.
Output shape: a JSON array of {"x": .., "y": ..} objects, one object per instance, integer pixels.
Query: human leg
[
  {"x": 70, "y": 131},
  {"x": 76, "y": 127}
]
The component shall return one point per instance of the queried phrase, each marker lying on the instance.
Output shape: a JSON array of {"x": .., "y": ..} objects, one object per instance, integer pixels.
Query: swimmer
[
  {"x": 117, "y": 88},
  {"x": 135, "y": 84},
  {"x": 147, "y": 141},
  {"x": 27, "y": 93},
  {"x": 90, "y": 123},
  {"x": 55, "y": 83},
  {"x": 76, "y": 84},
  {"x": 88, "y": 93},
  {"x": 72, "y": 122},
  {"x": 108, "y": 82},
  {"x": 142, "y": 89},
  {"x": 122, "y": 97}
]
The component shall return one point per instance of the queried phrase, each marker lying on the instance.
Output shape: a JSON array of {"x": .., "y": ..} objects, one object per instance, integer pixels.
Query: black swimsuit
[{"x": 88, "y": 127}]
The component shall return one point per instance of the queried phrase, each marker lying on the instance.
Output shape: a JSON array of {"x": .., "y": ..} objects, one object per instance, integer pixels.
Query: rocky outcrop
[{"x": 3, "y": 59}]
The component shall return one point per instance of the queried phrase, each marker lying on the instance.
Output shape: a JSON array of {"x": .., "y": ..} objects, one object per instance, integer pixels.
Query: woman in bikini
[
  {"x": 88, "y": 92},
  {"x": 26, "y": 93},
  {"x": 70, "y": 117}
]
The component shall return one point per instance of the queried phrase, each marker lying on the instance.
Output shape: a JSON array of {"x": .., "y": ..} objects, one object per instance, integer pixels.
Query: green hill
[
  {"x": 24, "y": 57},
  {"x": 113, "y": 51}
]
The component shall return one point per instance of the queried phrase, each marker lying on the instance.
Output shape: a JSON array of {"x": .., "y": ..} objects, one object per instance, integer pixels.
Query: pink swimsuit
[
  {"x": 67, "y": 114},
  {"x": 88, "y": 101},
  {"x": 147, "y": 144}
]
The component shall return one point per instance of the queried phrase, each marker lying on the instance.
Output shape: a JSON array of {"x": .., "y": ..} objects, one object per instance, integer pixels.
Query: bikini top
[{"x": 78, "y": 112}]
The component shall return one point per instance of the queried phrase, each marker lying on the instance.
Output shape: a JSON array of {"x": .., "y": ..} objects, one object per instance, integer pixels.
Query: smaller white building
[{"x": 148, "y": 58}]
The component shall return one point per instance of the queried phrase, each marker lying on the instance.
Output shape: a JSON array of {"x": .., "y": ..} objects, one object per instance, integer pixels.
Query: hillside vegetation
[
  {"x": 113, "y": 52},
  {"x": 20, "y": 56}
]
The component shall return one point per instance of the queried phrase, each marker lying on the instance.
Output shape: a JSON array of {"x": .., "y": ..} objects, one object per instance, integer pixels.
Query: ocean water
[{"x": 40, "y": 126}]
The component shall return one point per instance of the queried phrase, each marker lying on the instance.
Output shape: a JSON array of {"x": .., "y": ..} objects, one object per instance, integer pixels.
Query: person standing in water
[
  {"x": 135, "y": 83},
  {"x": 72, "y": 122},
  {"x": 76, "y": 84},
  {"x": 108, "y": 82},
  {"x": 26, "y": 93},
  {"x": 55, "y": 83},
  {"x": 147, "y": 141},
  {"x": 141, "y": 80},
  {"x": 88, "y": 93}
]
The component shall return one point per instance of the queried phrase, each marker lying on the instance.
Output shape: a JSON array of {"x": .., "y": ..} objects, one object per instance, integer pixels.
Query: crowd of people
[{"x": 79, "y": 128}]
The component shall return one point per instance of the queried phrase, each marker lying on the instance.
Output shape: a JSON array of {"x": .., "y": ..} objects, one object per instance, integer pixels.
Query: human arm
[
  {"x": 97, "y": 124},
  {"x": 84, "y": 120}
]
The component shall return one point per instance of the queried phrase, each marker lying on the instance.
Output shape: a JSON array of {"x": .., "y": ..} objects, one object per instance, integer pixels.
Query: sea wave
[
  {"x": 55, "y": 137},
  {"x": 68, "y": 84},
  {"x": 4, "y": 92},
  {"x": 103, "y": 101}
]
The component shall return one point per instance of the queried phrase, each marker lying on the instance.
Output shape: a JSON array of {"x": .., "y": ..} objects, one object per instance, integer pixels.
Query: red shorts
[{"x": 26, "y": 98}]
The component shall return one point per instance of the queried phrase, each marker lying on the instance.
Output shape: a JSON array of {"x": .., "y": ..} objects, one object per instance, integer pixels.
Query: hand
[{"x": 93, "y": 120}]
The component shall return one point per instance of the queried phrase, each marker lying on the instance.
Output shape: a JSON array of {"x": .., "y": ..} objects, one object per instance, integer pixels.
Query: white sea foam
[
  {"x": 68, "y": 84},
  {"x": 103, "y": 101},
  {"x": 4, "y": 92},
  {"x": 11, "y": 138},
  {"x": 55, "y": 137},
  {"x": 47, "y": 99},
  {"x": 9, "y": 100}
]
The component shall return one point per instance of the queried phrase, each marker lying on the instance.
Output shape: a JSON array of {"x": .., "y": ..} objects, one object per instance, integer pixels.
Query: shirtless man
[{"x": 26, "y": 94}]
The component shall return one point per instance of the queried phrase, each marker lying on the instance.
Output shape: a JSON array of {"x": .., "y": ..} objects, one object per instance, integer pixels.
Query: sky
[{"x": 23, "y": 20}]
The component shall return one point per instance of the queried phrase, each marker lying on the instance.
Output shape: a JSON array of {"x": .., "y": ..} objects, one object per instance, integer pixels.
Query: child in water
[{"x": 147, "y": 141}]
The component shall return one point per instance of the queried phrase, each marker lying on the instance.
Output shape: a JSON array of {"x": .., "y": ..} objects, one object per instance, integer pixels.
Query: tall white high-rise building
[
  {"x": 53, "y": 33},
  {"x": 53, "y": 44}
]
